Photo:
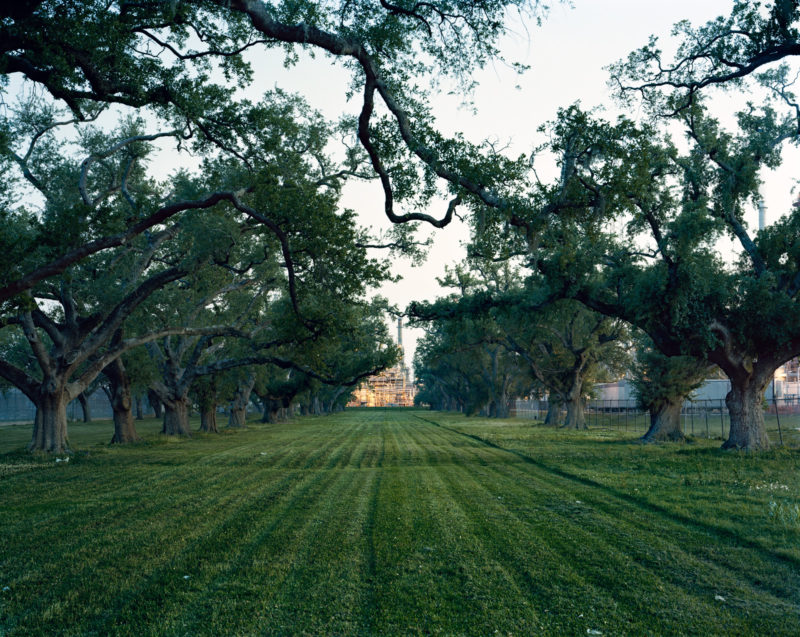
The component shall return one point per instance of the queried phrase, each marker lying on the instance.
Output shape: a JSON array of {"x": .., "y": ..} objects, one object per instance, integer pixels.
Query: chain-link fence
[
  {"x": 700, "y": 418},
  {"x": 15, "y": 407}
]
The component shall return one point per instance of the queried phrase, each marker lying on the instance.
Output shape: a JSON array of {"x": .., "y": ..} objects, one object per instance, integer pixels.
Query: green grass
[{"x": 397, "y": 522}]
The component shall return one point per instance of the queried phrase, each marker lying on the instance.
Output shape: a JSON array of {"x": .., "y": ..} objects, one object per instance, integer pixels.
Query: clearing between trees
[{"x": 396, "y": 522}]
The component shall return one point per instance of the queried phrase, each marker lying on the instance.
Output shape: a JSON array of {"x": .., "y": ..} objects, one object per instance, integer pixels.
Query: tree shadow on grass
[{"x": 732, "y": 538}]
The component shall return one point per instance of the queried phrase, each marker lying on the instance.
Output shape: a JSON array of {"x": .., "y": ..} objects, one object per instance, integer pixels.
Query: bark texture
[
  {"x": 499, "y": 408},
  {"x": 120, "y": 397},
  {"x": 272, "y": 410},
  {"x": 208, "y": 420},
  {"x": 176, "y": 417},
  {"x": 238, "y": 413},
  {"x": 155, "y": 402},
  {"x": 748, "y": 430},
  {"x": 576, "y": 417},
  {"x": 237, "y": 417},
  {"x": 86, "y": 408},
  {"x": 553, "y": 416},
  {"x": 665, "y": 423},
  {"x": 50, "y": 423}
]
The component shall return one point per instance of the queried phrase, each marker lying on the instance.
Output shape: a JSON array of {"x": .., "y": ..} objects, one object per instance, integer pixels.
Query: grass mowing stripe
[
  {"x": 375, "y": 522},
  {"x": 323, "y": 565},
  {"x": 677, "y": 549},
  {"x": 112, "y": 560},
  {"x": 551, "y": 556},
  {"x": 780, "y": 582},
  {"x": 719, "y": 531},
  {"x": 469, "y": 487},
  {"x": 570, "y": 601},
  {"x": 594, "y": 490},
  {"x": 514, "y": 542},
  {"x": 370, "y": 573},
  {"x": 266, "y": 555},
  {"x": 252, "y": 567},
  {"x": 434, "y": 576},
  {"x": 374, "y": 453},
  {"x": 715, "y": 575},
  {"x": 625, "y": 499},
  {"x": 302, "y": 452},
  {"x": 297, "y": 451},
  {"x": 341, "y": 458},
  {"x": 116, "y": 507},
  {"x": 177, "y": 503},
  {"x": 143, "y": 601},
  {"x": 56, "y": 488},
  {"x": 243, "y": 536}
]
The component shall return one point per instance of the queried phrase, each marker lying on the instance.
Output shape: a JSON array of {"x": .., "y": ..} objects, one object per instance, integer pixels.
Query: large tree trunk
[
  {"x": 120, "y": 396},
  {"x": 155, "y": 402},
  {"x": 553, "y": 416},
  {"x": 207, "y": 401},
  {"x": 238, "y": 413},
  {"x": 176, "y": 417},
  {"x": 504, "y": 406},
  {"x": 493, "y": 408},
  {"x": 272, "y": 409},
  {"x": 665, "y": 423},
  {"x": 576, "y": 418},
  {"x": 264, "y": 409},
  {"x": 237, "y": 417},
  {"x": 50, "y": 423},
  {"x": 86, "y": 408},
  {"x": 208, "y": 419},
  {"x": 332, "y": 404},
  {"x": 744, "y": 402}
]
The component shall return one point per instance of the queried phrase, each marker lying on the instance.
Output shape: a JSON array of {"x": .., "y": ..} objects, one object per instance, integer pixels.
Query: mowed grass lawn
[{"x": 397, "y": 523}]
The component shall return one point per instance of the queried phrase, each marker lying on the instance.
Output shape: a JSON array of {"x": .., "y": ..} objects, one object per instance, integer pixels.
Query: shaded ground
[{"x": 397, "y": 522}]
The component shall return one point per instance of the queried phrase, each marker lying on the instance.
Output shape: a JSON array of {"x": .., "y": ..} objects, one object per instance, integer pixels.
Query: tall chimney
[
  {"x": 762, "y": 214},
  {"x": 400, "y": 332}
]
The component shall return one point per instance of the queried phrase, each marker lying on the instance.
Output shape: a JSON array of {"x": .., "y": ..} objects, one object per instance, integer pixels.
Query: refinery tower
[{"x": 391, "y": 388}]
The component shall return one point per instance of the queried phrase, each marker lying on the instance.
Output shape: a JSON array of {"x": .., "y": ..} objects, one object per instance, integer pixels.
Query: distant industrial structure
[{"x": 391, "y": 388}]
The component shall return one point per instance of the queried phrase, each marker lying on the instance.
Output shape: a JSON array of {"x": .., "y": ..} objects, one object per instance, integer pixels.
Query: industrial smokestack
[
  {"x": 400, "y": 332},
  {"x": 762, "y": 215}
]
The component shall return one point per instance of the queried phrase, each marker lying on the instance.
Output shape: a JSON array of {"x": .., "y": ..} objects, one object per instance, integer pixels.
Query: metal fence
[
  {"x": 700, "y": 418},
  {"x": 16, "y": 407}
]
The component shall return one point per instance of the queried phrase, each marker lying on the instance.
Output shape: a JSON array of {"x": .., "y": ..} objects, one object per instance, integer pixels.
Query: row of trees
[
  {"x": 629, "y": 229},
  {"x": 491, "y": 341},
  {"x": 261, "y": 271},
  {"x": 632, "y": 227},
  {"x": 485, "y": 347}
]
